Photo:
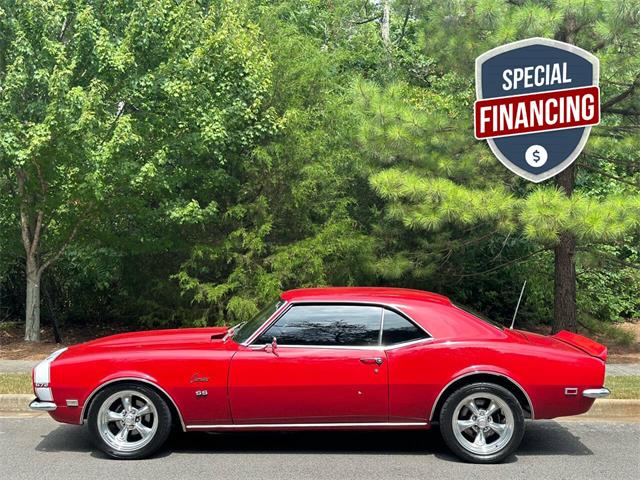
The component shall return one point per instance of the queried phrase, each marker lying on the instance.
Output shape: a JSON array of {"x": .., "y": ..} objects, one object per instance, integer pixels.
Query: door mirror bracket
[{"x": 272, "y": 347}]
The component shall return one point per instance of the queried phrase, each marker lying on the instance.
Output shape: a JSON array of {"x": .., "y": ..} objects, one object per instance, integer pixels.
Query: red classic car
[{"x": 333, "y": 358}]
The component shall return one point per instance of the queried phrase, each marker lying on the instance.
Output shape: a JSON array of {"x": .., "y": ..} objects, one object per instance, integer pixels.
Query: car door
[
  {"x": 411, "y": 365},
  {"x": 327, "y": 367}
]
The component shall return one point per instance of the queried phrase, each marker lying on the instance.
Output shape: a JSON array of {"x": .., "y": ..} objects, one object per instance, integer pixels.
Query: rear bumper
[
  {"x": 41, "y": 406},
  {"x": 596, "y": 393}
]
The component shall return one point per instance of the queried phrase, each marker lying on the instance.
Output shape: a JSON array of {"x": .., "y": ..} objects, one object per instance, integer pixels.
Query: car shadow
[
  {"x": 541, "y": 438},
  {"x": 551, "y": 438}
]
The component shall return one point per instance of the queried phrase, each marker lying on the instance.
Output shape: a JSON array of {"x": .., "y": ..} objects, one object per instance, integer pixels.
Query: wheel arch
[
  {"x": 483, "y": 376},
  {"x": 175, "y": 411}
]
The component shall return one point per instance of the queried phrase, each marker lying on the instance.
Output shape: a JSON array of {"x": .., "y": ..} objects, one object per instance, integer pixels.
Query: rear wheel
[
  {"x": 129, "y": 421},
  {"x": 482, "y": 423}
]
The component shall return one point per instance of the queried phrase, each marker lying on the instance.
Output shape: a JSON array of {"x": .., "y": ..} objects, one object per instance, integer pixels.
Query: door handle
[{"x": 372, "y": 360}]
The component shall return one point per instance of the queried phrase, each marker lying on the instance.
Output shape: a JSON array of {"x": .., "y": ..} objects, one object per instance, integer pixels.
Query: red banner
[{"x": 537, "y": 112}]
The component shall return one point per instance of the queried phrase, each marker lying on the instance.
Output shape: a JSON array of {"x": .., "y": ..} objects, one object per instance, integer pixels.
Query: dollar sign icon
[{"x": 536, "y": 156}]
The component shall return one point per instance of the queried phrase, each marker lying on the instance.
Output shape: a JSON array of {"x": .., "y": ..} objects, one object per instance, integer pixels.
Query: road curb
[
  {"x": 15, "y": 402},
  {"x": 602, "y": 408},
  {"x": 613, "y": 409}
]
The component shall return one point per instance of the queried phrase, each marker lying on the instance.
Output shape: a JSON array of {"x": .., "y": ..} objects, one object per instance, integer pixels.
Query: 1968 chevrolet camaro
[{"x": 334, "y": 358}]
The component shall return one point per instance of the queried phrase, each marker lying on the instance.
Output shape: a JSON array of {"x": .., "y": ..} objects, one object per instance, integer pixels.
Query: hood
[{"x": 160, "y": 338}]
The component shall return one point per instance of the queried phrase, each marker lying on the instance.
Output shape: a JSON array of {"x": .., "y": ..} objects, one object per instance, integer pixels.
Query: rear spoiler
[{"x": 585, "y": 344}]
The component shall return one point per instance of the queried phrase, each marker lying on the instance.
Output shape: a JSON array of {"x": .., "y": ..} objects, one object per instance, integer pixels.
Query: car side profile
[{"x": 326, "y": 358}]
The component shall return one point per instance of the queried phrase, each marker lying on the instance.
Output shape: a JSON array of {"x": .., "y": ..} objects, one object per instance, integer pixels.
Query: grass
[
  {"x": 624, "y": 387},
  {"x": 15, "y": 383},
  {"x": 621, "y": 387}
]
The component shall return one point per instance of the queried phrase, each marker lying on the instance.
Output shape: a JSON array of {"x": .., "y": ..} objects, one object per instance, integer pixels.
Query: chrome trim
[
  {"x": 407, "y": 343},
  {"x": 596, "y": 392},
  {"x": 381, "y": 327},
  {"x": 42, "y": 406},
  {"x": 381, "y": 348},
  {"x": 481, "y": 372},
  {"x": 281, "y": 311},
  {"x": 341, "y": 347},
  {"x": 99, "y": 387},
  {"x": 274, "y": 316},
  {"x": 306, "y": 425}
]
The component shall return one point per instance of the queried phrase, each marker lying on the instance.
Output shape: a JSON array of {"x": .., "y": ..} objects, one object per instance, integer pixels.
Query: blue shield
[{"x": 522, "y": 153}]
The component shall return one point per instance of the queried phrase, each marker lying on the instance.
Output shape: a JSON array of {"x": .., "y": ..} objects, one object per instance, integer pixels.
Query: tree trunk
[
  {"x": 32, "y": 308},
  {"x": 564, "y": 304},
  {"x": 384, "y": 23},
  {"x": 564, "y": 301}
]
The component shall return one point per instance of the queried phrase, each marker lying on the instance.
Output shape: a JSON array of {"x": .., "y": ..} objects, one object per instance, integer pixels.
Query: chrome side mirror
[{"x": 271, "y": 347}]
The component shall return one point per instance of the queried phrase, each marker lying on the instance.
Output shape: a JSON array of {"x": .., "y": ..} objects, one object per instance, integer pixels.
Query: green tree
[
  {"x": 298, "y": 220},
  {"x": 440, "y": 178},
  {"x": 117, "y": 114}
]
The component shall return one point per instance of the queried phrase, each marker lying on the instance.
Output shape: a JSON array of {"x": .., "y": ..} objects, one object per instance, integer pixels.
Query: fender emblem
[{"x": 197, "y": 378}]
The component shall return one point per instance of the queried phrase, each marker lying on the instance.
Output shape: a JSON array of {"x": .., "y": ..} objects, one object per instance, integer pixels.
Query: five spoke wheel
[
  {"x": 483, "y": 423},
  {"x": 127, "y": 420}
]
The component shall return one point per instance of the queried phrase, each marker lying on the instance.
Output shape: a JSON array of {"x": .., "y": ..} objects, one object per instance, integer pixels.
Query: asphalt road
[{"x": 38, "y": 448}]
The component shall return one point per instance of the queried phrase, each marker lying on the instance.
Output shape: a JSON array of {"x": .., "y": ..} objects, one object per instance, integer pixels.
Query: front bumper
[
  {"x": 41, "y": 406},
  {"x": 596, "y": 393}
]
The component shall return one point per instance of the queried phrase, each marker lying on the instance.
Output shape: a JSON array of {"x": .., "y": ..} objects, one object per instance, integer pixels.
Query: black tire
[
  {"x": 461, "y": 448},
  {"x": 157, "y": 439}
]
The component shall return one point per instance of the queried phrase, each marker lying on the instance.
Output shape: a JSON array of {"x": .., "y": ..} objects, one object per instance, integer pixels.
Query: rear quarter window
[{"x": 398, "y": 329}]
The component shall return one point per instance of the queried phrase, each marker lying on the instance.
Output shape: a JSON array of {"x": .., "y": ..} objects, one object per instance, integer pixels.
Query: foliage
[
  {"x": 209, "y": 155},
  {"x": 436, "y": 179}
]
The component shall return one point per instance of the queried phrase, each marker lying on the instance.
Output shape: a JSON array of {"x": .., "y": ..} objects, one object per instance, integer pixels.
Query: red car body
[{"x": 213, "y": 383}]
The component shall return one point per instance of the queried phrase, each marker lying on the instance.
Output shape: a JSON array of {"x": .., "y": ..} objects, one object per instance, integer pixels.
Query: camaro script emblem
[{"x": 197, "y": 378}]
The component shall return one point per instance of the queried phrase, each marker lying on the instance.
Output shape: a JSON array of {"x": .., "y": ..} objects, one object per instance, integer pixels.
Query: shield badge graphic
[{"x": 537, "y": 101}]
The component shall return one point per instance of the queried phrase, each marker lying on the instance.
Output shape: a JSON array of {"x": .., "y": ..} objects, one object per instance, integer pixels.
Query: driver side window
[{"x": 326, "y": 325}]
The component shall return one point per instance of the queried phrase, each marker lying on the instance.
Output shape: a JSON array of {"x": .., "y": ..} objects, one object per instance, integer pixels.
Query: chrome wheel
[
  {"x": 127, "y": 420},
  {"x": 483, "y": 423}
]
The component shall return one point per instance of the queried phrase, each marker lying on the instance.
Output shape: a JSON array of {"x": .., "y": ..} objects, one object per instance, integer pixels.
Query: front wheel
[
  {"x": 129, "y": 421},
  {"x": 482, "y": 423}
]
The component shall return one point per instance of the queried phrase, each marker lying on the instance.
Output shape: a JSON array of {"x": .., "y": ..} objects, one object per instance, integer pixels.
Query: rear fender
[{"x": 482, "y": 370}]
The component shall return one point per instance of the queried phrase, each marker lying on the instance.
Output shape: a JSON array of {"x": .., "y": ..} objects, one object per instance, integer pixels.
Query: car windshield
[
  {"x": 244, "y": 330},
  {"x": 479, "y": 315}
]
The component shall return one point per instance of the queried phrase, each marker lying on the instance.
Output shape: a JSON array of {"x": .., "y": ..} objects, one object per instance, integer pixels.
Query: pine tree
[{"x": 438, "y": 176}]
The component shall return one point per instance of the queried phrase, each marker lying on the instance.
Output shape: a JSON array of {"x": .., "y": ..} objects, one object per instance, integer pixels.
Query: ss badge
[{"x": 201, "y": 393}]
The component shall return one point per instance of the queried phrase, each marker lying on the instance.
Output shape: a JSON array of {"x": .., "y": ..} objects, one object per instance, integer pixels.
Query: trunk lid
[
  {"x": 585, "y": 344},
  {"x": 563, "y": 340}
]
